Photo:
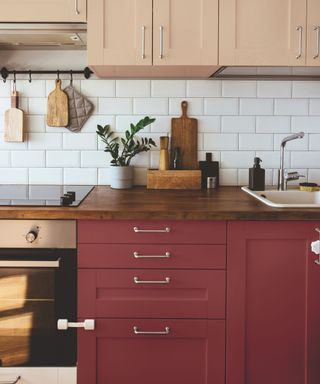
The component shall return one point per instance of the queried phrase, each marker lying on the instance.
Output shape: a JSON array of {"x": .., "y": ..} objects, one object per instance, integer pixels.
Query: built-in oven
[{"x": 37, "y": 288}]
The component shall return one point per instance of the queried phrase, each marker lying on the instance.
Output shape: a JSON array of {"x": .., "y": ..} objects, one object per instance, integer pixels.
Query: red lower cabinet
[
  {"x": 122, "y": 351},
  {"x": 273, "y": 305}
]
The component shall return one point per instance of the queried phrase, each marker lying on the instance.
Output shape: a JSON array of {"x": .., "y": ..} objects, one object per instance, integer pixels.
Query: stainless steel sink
[{"x": 291, "y": 198}]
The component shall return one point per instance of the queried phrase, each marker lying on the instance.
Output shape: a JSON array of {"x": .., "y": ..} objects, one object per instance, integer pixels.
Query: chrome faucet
[{"x": 283, "y": 175}]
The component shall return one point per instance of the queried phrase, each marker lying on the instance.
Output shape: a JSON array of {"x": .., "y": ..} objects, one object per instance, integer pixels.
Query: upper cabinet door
[
  {"x": 313, "y": 57},
  {"x": 120, "y": 32},
  {"x": 43, "y": 11},
  {"x": 185, "y": 32},
  {"x": 262, "y": 32}
]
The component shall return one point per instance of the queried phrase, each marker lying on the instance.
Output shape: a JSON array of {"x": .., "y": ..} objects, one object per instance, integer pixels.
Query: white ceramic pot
[{"x": 121, "y": 177}]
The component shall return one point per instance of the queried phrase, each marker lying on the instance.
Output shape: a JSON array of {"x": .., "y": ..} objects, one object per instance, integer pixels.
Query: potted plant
[{"x": 122, "y": 151}]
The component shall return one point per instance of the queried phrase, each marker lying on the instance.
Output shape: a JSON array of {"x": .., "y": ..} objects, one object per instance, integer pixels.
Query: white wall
[{"x": 238, "y": 120}]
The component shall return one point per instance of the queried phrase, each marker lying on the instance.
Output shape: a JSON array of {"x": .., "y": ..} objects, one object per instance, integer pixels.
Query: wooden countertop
[{"x": 225, "y": 203}]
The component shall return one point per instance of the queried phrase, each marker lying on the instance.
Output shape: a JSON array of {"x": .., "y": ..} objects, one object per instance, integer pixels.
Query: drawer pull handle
[
  {"x": 137, "y": 230},
  {"x": 64, "y": 324},
  {"x": 165, "y": 281},
  {"x": 14, "y": 381},
  {"x": 300, "y": 30},
  {"x": 137, "y": 332},
  {"x": 165, "y": 256}
]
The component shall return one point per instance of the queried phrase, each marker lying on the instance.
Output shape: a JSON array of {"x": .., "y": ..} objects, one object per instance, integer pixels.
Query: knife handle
[{"x": 15, "y": 99}]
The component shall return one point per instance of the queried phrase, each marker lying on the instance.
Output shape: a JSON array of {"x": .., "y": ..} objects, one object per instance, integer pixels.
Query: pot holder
[{"x": 80, "y": 109}]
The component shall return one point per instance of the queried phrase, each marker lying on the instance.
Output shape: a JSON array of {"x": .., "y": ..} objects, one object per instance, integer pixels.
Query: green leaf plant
[{"x": 122, "y": 150}]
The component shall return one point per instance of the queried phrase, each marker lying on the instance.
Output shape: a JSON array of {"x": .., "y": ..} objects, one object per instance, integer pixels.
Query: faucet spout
[{"x": 282, "y": 182}]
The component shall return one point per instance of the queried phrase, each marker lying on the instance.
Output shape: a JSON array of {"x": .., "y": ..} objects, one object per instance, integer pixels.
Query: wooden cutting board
[
  {"x": 13, "y": 120},
  {"x": 184, "y": 134},
  {"x": 57, "y": 114}
]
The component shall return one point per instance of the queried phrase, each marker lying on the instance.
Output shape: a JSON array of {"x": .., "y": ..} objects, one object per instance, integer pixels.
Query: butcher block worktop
[{"x": 225, "y": 203}]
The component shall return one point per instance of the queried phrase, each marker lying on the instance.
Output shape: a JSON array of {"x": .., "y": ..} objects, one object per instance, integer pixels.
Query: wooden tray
[{"x": 182, "y": 179}]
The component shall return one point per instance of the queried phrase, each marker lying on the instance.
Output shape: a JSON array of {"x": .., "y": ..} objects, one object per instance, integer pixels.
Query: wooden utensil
[
  {"x": 57, "y": 114},
  {"x": 164, "y": 154},
  {"x": 13, "y": 120},
  {"x": 184, "y": 134}
]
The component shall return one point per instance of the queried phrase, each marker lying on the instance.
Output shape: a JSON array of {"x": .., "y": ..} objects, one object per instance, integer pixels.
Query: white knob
[
  {"x": 315, "y": 247},
  {"x": 31, "y": 236},
  {"x": 87, "y": 324}
]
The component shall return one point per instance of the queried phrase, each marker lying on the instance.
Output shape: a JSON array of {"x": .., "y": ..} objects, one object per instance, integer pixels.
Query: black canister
[{"x": 257, "y": 176}]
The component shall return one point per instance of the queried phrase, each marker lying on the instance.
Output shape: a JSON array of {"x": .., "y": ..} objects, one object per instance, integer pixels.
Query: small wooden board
[
  {"x": 174, "y": 179},
  {"x": 58, "y": 112},
  {"x": 13, "y": 121},
  {"x": 184, "y": 134}
]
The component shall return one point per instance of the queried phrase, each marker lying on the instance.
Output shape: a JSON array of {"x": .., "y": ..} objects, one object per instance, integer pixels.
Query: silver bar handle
[
  {"x": 30, "y": 264},
  {"x": 137, "y": 230},
  {"x": 143, "y": 42},
  {"x": 137, "y": 332},
  {"x": 136, "y": 280},
  {"x": 300, "y": 30},
  {"x": 14, "y": 381},
  {"x": 161, "y": 42},
  {"x": 64, "y": 324},
  {"x": 136, "y": 255},
  {"x": 76, "y": 9},
  {"x": 317, "y": 30}
]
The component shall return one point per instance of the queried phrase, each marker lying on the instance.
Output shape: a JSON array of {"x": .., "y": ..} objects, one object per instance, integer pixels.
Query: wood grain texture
[
  {"x": 58, "y": 112},
  {"x": 173, "y": 179},
  {"x": 164, "y": 153},
  {"x": 13, "y": 121},
  {"x": 184, "y": 135},
  {"x": 224, "y": 203}
]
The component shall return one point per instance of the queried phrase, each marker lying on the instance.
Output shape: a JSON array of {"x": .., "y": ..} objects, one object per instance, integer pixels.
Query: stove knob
[{"x": 31, "y": 236}]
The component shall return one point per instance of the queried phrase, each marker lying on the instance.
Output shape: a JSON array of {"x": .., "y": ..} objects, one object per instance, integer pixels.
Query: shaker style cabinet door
[
  {"x": 185, "y": 32},
  {"x": 43, "y": 11},
  {"x": 262, "y": 32},
  {"x": 313, "y": 23},
  {"x": 273, "y": 307},
  {"x": 140, "y": 351},
  {"x": 120, "y": 32}
]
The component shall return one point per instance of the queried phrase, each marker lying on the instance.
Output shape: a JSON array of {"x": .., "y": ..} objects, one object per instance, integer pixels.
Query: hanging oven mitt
[{"x": 80, "y": 109}]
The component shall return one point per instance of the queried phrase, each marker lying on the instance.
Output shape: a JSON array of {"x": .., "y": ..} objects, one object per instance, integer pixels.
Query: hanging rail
[{"x": 4, "y": 72}]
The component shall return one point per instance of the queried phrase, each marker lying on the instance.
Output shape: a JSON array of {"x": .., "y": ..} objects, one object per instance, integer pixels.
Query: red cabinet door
[
  {"x": 188, "y": 352},
  {"x": 273, "y": 306},
  {"x": 151, "y": 293}
]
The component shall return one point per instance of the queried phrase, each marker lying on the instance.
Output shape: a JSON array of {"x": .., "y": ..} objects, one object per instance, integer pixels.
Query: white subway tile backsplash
[
  {"x": 304, "y": 159},
  {"x": 123, "y": 123},
  {"x": 221, "y": 106},
  {"x": 232, "y": 88},
  {"x": 115, "y": 106},
  {"x": 271, "y": 159},
  {"x": 314, "y": 142},
  {"x": 79, "y": 141},
  {"x": 37, "y": 88},
  {"x": 237, "y": 159},
  {"x": 314, "y": 107},
  {"x": 91, "y": 124},
  {"x": 306, "y": 89},
  {"x": 228, "y": 177},
  {"x": 254, "y": 142},
  {"x": 314, "y": 176},
  {"x": 307, "y": 124},
  {"x": 133, "y": 88},
  {"x": 63, "y": 159},
  {"x": 220, "y": 141},
  {"x": 98, "y": 88},
  {"x": 256, "y": 107},
  {"x": 80, "y": 176},
  {"x": 203, "y": 88},
  {"x": 154, "y": 106},
  {"x": 30, "y": 159},
  {"x": 14, "y": 176},
  {"x": 274, "y": 89},
  {"x": 162, "y": 125},
  {"x": 168, "y": 88},
  {"x": 209, "y": 123},
  {"x": 243, "y": 177},
  {"x": 38, "y": 106},
  {"x": 95, "y": 159},
  {"x": 5, "y": 104},
  {"x": 290, "y": 107},
  {"x": 238, "y": 124},
  {"x": 45, "y": 176},
  {"x": 44, "y": 140},
  {"x": 5, "y": 159},
  {"x": 195, "y": 107},
  {"x": 35, "y": 123},
  {"x": 273, "y": 124},
  {"x": 104, "y": 176},
  {"x": 294, "y": 145}
]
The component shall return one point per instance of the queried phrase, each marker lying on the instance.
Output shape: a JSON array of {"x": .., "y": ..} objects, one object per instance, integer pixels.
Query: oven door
[{"x": 37, "y": 287}]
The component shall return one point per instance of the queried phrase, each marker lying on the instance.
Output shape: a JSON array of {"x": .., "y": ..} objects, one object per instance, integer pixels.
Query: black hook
[
  {"x": 14, "y": 81},
  {"x": 58, "y": 74},
  {"x": 71, "y": 77},
  {"x": 30, "y": 78}
]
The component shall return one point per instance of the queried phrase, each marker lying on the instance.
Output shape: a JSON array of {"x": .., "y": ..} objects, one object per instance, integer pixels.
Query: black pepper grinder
[
  {"x": 209, "y": 168},
  {"x": 257, "y": 176}
]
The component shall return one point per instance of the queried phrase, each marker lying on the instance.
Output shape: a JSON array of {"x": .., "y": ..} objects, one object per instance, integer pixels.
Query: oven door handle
[
  {"x": 29, "y": 264},
  {"x": 14, "y": 381}
]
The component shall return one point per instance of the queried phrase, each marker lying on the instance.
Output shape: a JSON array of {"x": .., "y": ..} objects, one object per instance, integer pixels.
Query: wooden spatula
[
  {"x": 57, "y": 114},
  {"x": 13, "y": 120},
  {"x": 184, "y": 134}
]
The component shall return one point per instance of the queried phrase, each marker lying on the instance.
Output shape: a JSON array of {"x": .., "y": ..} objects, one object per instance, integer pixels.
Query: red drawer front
[
  {"x": 151, "y": 256},
  {"x": 183, "y": 294},
  {"x": 179, "y": 232},
  {"x": 193, "y": 352}
]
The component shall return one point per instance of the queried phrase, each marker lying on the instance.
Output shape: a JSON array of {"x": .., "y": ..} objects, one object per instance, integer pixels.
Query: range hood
[{"x": 68, "y": 36}]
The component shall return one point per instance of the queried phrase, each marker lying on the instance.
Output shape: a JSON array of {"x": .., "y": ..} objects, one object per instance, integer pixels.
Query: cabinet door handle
[
  {"x": 143, "y": 42},
  {"x": 166, "y": 230},
  {"x": 137, "y": 332},
  {"x": 136, "y": 280},
  {"x": 14, "y": 381},
  {"x": 165, "y": 256},
  {"x": 317, "y": 30},
  {"x": 161, "y": 42},
  {"x": 300, "y": 30},
  {"x": 76, "y": 9},
  {"x": 64, "y": 324}
]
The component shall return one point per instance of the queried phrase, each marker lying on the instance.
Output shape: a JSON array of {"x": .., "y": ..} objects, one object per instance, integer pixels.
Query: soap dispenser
[{"x": 257, "y": 176}]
